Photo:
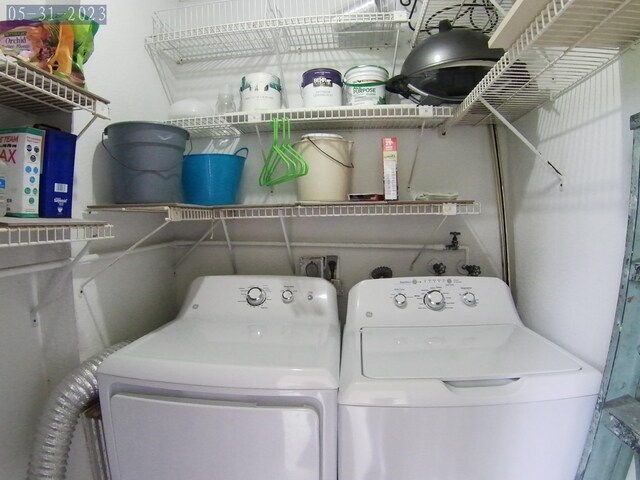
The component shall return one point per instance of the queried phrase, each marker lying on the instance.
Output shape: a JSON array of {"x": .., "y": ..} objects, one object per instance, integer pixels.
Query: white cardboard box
[
  {"x": 21, "y": 150},
  {"x": 390, "y": 167}
]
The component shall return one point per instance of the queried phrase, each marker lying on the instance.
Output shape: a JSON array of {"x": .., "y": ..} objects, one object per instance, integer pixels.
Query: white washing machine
[
  {"x": 241, "y": 385},
  {"x": 440, "y": 380}
]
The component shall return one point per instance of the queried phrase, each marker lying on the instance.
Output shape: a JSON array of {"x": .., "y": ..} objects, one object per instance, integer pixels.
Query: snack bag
[{"x": 57, "y": 46}]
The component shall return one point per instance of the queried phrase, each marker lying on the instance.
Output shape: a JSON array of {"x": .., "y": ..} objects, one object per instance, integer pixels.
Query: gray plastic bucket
[{"x": 147, "y": 161}]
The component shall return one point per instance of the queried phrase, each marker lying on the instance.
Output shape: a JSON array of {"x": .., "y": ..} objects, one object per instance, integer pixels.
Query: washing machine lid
[
  {"x": 460, "y": 353},
  {"x": 195, "y": 351}
]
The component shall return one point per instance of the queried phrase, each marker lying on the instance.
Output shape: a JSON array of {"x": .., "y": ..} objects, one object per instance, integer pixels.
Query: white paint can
[
  {"x": 260, "y": 91},
  {"x": 365, "y": 85},
  {"x": 321, "y": 87}
]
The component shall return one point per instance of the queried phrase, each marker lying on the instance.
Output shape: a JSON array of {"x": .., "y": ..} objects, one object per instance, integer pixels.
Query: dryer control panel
[
  {"x": 261, "y": 298},
  {"x": 431, "y": 301}
]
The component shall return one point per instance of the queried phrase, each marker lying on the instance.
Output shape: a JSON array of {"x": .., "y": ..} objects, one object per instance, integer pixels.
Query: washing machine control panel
[{"x": 434, "y": 301}]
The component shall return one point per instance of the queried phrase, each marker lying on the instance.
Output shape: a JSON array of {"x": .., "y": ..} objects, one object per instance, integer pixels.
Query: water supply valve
[{"x": 454, "y": 241}]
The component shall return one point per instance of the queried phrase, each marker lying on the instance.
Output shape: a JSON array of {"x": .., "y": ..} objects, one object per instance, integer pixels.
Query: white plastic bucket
[
  {"x": 321, "y": 87},
  {"x": 365, "y": 85},
  {"x": 330, "y": 168},
  {"x": 260, "y": 91}
]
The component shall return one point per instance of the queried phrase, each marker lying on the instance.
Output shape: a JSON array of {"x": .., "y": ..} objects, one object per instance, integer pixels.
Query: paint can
[
  {"x": 260, "y": 91},
  {"x": 365, "y": 85},
  {"x": 321, "y": 87}
]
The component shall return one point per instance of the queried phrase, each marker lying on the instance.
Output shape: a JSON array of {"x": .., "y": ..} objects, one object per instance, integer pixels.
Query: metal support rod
[
  {"x": 86, "y": 127},
  {"x": 419, "y": 23},
  {"x": 426, "y": 243},
  {"x": 415, "y": 157},
  {"x": 229, "y": 246},
  {"x": 292, "y": 262},
  {"x": 208, "y": 233},
  {"x": 395, "y": 51},
  {"x": 522, "y": 138},
  {"x": 126, "y": 252},
  {"x": 61, "y": 278}
]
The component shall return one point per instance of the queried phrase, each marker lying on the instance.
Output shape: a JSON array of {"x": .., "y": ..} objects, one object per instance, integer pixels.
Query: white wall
[
  {"x": 133, "y": 298},
  {"x": 569, "y": 244}
]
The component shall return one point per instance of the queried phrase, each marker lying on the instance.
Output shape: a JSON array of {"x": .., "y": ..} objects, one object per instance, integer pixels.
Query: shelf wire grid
[
  {"x": 225, "y": 29},
  {"x": 568, "y": 42},
  {"x": 25, "y": 88},
  {"x": 179, "y": 212},
  {"x": 12, "y": 236},
  {"x": 479, "y": 15},
  {"x": 337, "y": 118}
]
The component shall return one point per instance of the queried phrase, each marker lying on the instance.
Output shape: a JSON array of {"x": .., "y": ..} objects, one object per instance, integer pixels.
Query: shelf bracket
[
  {"x": 415, "y": 157},
  {"x": 57, "y": 283},
  {"x": 208, "y": 233},
  {"x": 523, "y": 139},
  {"x": 126, "y": 252},
  {"x": 86, "y": 127},
  {"x": 292, "y": 263},
  {"x": 426, "y": 243},
  {"x": 229, "y": 246}
]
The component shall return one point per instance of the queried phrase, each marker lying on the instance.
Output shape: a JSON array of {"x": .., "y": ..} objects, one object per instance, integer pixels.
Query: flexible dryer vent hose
[{"x": 52, "y": 443}]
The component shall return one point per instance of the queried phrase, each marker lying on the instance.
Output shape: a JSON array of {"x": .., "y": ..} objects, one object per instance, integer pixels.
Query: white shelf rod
[
  {"x": 292, "y": 262},
  {"x": 208, "y": 233},
  {"x": 126, "y": 252},
  {"x": 229, "y": 246},
  {"x": 523, "y": 139},
  {"x": 54, "y": 287}
]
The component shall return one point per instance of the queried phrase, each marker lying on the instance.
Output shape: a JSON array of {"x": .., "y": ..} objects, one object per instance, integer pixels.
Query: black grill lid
[{"x": 445, "y": 67}]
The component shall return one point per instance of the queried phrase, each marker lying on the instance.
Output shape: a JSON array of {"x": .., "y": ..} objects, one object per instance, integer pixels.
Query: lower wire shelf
[
  {"x": 16, "y": 232},
  {"x": 182, "y": 212}
]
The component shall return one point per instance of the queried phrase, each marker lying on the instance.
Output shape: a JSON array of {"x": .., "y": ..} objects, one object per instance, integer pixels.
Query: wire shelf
[
  {"x": 28, "y": 89},
  {"x": 479, "y": 15},
  {"x": 569, "y": 41},
  {"x": 336, "y": 118},
  {"x": 22, "y": 232},
  {"x": 242, "y": 28},
  {"x": 180, "y": 212}
]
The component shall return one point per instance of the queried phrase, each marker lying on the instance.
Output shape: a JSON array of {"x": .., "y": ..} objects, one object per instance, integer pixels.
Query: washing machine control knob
[
  {"x": 287, "y": 296},
  {"x": 400, "y": 300},
  {"x": 256, "y": 296},
  {"x": 434, "y": 299},
  {"x": 469, "y": 299}
]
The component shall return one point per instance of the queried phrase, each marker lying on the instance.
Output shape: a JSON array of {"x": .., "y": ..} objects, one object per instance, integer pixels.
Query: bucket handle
[
  {"x": 246, "y": 152},
  {"x": 329, "y": 156},
  {"x": 143, "y": 169}
]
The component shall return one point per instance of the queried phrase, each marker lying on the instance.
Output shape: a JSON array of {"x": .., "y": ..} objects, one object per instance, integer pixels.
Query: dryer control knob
[
  {"x": 434, "y": 299},
  {"x": 400, "y": 300},
  {"x": 256, "y": 296},
  {"x": 287, "y": 296},
  {"x": 469, "y": 299}
]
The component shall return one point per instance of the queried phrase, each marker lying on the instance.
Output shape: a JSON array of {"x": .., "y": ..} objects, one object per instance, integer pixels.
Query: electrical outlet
[
  {"x": 332, "y": 267},
  {"x": 326, "y": 267}
]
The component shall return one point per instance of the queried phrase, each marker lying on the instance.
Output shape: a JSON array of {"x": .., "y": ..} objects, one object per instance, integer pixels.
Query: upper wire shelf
[
  {"x": 16, "y": 232},
  {"x": 180, "y": 212},
  {"x": 479, "y": 15},
  {"x": 335, "y": 118},
  {"x": 29, "y": 89},
  {"x": 241, "y": 28},
  {"x": 566, "y": 43}
]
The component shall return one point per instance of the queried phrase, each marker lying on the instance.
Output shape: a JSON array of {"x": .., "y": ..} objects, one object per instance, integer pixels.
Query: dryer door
[{"x": 168, "y": 438}]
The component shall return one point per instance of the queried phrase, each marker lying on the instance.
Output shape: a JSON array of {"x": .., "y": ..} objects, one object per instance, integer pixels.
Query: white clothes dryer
[
  {"x": 241, "y": 385},
  {"x": 440, "y": 380}
]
